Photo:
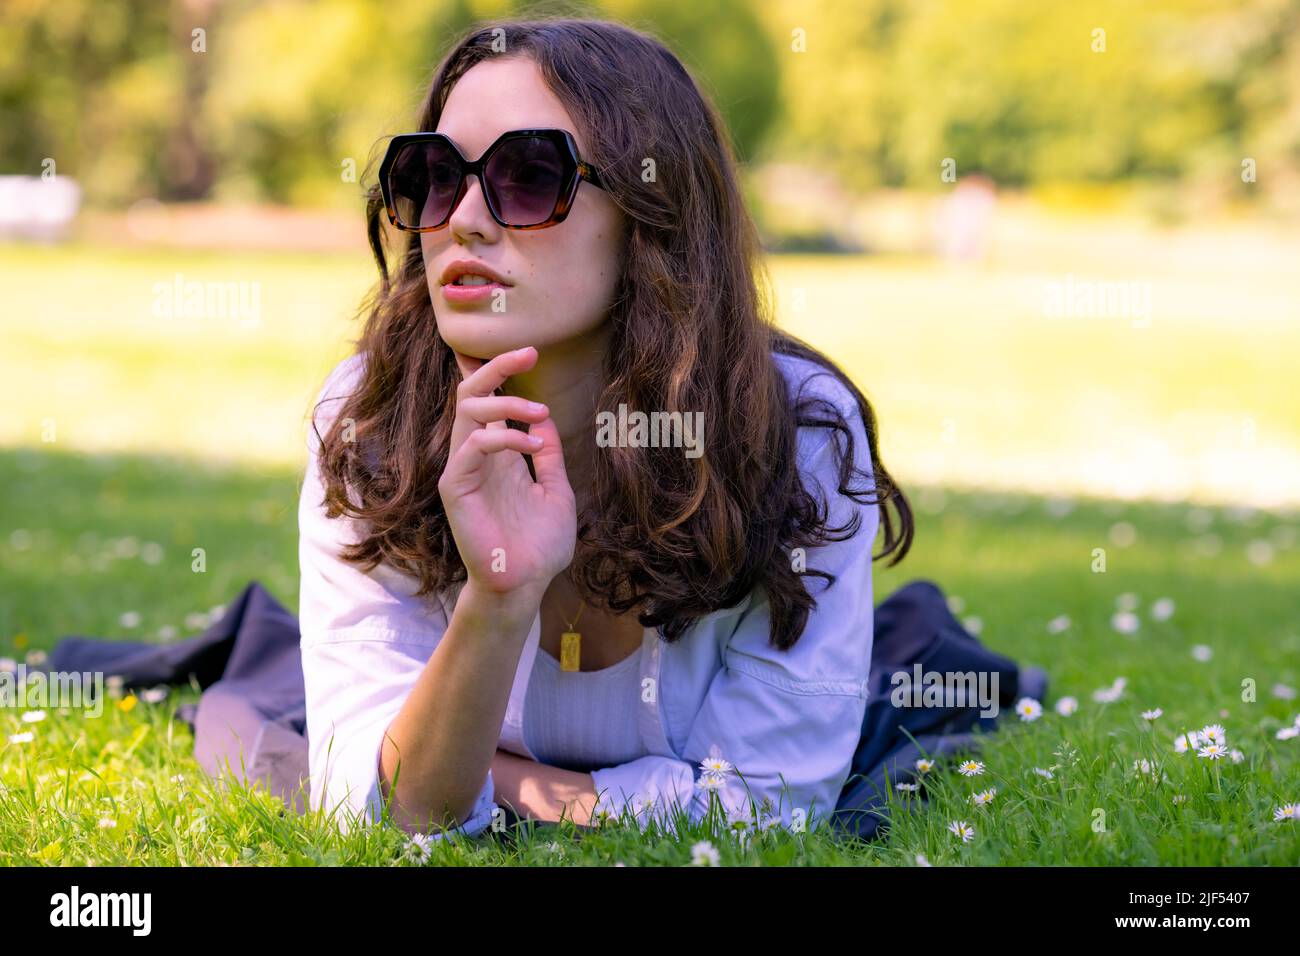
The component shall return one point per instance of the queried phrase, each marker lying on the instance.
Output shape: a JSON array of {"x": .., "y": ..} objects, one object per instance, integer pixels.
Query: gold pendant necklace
[{"x": 571, "y": 644}]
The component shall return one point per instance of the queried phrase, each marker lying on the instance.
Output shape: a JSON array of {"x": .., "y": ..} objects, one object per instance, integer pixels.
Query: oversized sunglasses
[{"x": 529, "y": 178}]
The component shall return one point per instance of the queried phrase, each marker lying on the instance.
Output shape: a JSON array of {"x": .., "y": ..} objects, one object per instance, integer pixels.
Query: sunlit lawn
[{"x": 971, "y": 385}]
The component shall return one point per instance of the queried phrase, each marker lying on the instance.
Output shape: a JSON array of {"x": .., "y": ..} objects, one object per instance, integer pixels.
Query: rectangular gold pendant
[{"x": 570, "y": 642}]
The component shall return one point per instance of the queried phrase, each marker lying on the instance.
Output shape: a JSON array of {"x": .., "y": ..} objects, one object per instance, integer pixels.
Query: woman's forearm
[
  {"x": 441, "y": 743},
  {"x": 542, "y": 792}
]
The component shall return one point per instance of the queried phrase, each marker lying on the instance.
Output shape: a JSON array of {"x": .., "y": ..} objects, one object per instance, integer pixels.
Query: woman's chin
[
  {"x": 478, "y": 338},
  {"x": 487, "y": 335}
]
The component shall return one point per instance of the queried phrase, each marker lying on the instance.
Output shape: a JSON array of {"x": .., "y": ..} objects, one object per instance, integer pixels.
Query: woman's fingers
[
  {"x": 491, "y": 412},
  {"x": 497, "y": 408},
  {"x": 475, "y": 452},
  {"x": 548, "y": 461},
  {"x": 479, "y": 380},
  {"x": 467, "y": 364},
  {"x": 491, "y": 375}
]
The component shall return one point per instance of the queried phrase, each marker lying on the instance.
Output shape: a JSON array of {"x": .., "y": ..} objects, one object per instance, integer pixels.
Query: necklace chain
[{"x": 571, "y": 642}]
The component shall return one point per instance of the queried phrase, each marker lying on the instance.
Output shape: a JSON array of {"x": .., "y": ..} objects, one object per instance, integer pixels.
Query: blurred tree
[
  {"x": 290, "y": 99},
  {"x": 1268, "y": 102},
  {"x": 836, "y": 99},
  {"x": 303, "y": 90},
  {"x": 725, "y": 46},
  {"x": 91, "y": 86}
]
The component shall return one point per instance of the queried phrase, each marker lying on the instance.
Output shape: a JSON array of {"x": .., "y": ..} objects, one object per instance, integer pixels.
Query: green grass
[
  {"x": 1012, "y": 561},
  {"x": 130, "y": 439}
]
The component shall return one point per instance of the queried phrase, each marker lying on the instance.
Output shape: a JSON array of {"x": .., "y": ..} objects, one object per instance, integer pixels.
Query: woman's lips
[{"x": 471, "y": 294}]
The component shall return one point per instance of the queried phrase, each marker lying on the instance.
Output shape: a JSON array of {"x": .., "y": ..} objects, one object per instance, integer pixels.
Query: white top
[
  {"x": 584, "y": 720},
  {"x": 788, "y": 721}
]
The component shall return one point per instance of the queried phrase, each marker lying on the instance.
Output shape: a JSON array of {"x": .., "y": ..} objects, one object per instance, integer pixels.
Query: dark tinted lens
[
  {"x": 525, "y": 176},
  {"x": 423, "y": 182}
]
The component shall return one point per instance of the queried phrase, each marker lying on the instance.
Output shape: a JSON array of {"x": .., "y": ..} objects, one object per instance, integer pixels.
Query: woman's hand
[{"x": 514, "y": 534}]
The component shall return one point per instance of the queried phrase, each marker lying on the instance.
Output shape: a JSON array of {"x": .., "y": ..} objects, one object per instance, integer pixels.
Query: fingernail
[
  {"x": 536, "y": 407},
  {"x": 535, "y": 441}
]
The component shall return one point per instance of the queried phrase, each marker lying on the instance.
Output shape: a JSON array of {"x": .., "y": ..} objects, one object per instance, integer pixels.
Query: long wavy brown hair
[{"x": 670, "y": 537}]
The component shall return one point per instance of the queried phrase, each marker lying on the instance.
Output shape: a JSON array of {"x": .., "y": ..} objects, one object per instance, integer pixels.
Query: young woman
[{"x": 513, "y": 594}]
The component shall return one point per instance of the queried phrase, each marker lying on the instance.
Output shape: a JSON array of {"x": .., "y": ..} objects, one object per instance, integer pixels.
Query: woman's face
[{"x": 563, "y": 276}]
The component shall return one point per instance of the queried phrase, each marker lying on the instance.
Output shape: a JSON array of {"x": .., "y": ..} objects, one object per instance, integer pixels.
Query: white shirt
[
  {"x": 788, "y": 722},
  {"x": 583, "y": 720}
]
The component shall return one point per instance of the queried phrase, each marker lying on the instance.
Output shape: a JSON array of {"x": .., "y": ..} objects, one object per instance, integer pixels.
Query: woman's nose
[{"x": 471, "y": 214}]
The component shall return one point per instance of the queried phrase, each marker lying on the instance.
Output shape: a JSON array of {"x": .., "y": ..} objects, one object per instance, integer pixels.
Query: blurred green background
[{"x": 1054, "y": 243}]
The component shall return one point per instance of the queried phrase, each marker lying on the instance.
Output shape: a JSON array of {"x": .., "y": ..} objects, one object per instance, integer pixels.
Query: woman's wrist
[{"x": 499, "y": 610}]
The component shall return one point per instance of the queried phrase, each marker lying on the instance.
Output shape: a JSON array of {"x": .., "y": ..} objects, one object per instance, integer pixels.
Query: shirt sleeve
[
  {"x": 788, "y": 722},
  {"x": 365, "y": 639}
]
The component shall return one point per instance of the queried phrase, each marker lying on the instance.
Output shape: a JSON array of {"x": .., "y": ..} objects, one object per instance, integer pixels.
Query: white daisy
[
  {"x": 705, "y": 853},
  {"x": 962, "y": 829},
  {"x": 924, "y": 765},
  {"x": 710, "y": 781},
  {"x": 1044, "y": 773},
  {"x": 1288, "y": 811},
  {"x": 740, "y": 825},
  {"x": 1067, "y": 706},
  {"x": 1212, "y": 751},
  {"x": 1237, "y": 756},
  {"x": 33, "y": 716},
  {"x": 1202, "y": 652},
  {"x": 418, "y": 848},
  {"x": 129, "y": 619},
  {"x": 1162, "y": 609},
  {"x": 984, "y": 797},
  {"x": 1145, "y": 768},
  {"x": 1286, "y": 733},
  {"x": 1214, "y": 734},
  {"x": 1153, "y": 714},
  {"x": 906, "y": 787},
  {"x": 1125, "y": 622},
  {"x": 1108, "y": 695},
  {"x": 1187, "y": 741},
  {"x": 715, "y": 765},
  {"x": 921, "y": 860},
  {"x": 1029, "y": 709},
  {"x": 154, "y": 695},
  {"x": 1058, "y": 624},
  {"x": 24, "y": 738},
  {"x": 970, "y": 768},
  {"x": 107, "y": 823}
]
